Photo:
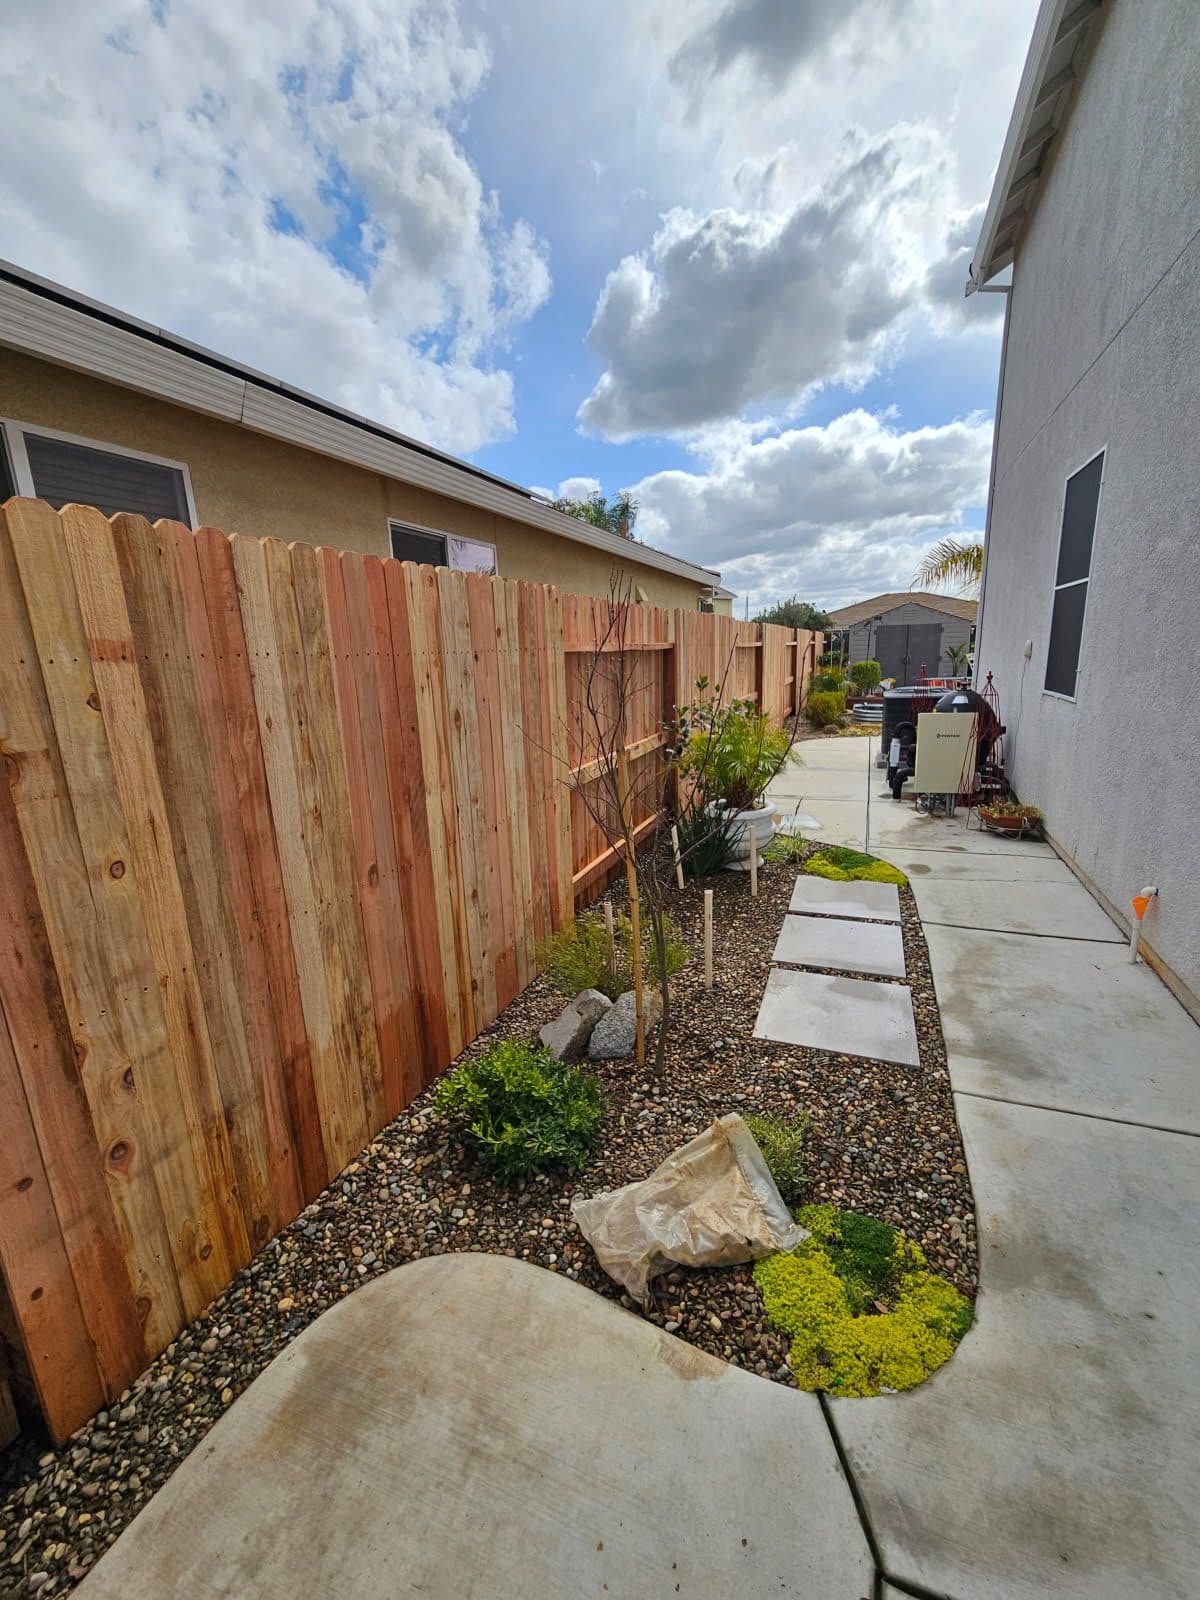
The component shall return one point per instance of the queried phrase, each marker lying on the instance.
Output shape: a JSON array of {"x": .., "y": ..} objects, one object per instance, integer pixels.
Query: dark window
[
  {"x": 1080, "y": 505},
  {"x": 63, "y": 472},
  {"x": 411, "y": 544},
  {"x": 8, "y": 484}
]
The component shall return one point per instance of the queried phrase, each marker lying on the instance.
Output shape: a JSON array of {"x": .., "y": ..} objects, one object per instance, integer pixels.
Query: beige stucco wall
[{"x": 245, "y": 482}]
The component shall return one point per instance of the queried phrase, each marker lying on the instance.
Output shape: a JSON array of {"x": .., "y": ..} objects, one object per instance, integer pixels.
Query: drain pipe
[{"x": 1141, "y": 904}]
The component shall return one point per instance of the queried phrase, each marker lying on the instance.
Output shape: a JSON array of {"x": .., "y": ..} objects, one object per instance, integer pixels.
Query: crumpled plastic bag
[{"x": 712, "y": 1203}]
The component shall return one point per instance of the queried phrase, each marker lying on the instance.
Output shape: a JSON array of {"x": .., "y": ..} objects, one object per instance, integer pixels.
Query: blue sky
[{"x": 708, "y": 250}]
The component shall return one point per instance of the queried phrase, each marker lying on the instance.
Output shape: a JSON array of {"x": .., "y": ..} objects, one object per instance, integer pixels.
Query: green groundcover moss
[
  {"x": 865, "y": 1314},
  {"x": 843, "y": 865}
]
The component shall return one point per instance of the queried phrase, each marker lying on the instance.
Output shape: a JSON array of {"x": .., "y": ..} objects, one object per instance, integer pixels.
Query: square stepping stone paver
[
  {"x": 874, "y": 947},
  {"x": 822, "y": 897},
  {"x": 848, "y": 1016}
]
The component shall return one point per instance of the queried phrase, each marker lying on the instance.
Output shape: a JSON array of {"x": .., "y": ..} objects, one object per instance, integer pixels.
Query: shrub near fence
[{"x": 281, "y": 829}]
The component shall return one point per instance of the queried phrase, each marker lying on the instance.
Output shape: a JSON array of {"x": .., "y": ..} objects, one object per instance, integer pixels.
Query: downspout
[{"x": 1006, "y": 290}]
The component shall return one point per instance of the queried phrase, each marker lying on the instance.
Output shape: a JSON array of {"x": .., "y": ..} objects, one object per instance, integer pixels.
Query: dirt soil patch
[{"x": 883, "y": 1140}]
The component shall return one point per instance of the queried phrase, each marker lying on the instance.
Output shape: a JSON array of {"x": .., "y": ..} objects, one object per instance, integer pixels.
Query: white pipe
[{"x": 1150, "y": 891}]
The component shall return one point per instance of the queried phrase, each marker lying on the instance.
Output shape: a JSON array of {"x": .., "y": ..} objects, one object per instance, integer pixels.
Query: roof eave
[{"x": 1042, "y": 96}]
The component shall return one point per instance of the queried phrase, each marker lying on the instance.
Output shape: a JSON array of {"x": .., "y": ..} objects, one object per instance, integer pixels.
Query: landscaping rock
[
  {"x": 567, "y": 1036},
  {"x": 615, "y": 1035}
]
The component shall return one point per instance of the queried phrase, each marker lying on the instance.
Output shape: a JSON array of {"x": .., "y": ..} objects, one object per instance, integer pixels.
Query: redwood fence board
[{"x": 282, "y": 829}]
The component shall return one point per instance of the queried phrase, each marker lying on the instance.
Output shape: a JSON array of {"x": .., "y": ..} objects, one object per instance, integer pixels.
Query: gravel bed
[{"x": 883, "y": 1140}]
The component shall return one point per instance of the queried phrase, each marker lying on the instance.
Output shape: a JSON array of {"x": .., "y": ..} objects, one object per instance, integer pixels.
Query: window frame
[
  {"x": 1074, "y": 583},
  {"x": 402, "y": 525},
  {"x": 14, "y": 437}
]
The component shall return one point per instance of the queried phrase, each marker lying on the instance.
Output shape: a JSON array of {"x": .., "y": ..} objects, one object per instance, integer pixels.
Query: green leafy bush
[
  {"x": 781, "y": 1140},
  {"x": 864, "y": 1312},
  {"x": 843, "y": 865},
  {"x": 865, "y": 675},
  {"x": 829, "y": 679},
  {"x": 705, "y": 839},
  {"x": 579, "y": 957},
  {"x": 826, "y": 706},
  {"x": 734, "y": 757},
  {"x": 524, "y": 1111},
  {"x": 788, "y": 847}
]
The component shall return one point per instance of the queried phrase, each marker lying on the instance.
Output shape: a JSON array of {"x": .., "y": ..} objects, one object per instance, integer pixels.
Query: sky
[{"x": 708, "y": 251}]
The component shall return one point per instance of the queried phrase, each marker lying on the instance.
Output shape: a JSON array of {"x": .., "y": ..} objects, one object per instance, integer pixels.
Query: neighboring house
[
  {"x": 722, "y": 602},
  {"x": 1090, "y": 617},
  {"x": 908, "y": 634},
  {"x": 98, "y": 407}
]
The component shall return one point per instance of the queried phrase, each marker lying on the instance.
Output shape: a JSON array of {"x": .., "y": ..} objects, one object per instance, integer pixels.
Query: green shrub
[
  {"x": 788, "y": 847},
  {"x": 831, "y": 678},
  {"x": 842, "y": 865},
  {"x": 826, "y": 706},
  {"x": 865, "y": 675},
  {"x": 735, "y": 756},
  {"x": 705, "y": 839},
  {"x": 578, "y": 958},
  {"x": 827, "y": 1293},
  {"x": 524, "y": 1111},
  {"x": 781, "y": 1141}
]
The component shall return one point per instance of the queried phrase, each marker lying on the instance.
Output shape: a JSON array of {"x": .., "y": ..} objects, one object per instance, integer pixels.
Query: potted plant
[
  {"x": 732, "y": 756},
  {"x": 1007, "y": 816}
]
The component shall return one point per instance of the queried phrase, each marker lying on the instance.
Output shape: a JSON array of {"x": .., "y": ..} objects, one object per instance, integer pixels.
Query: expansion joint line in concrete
[
  {"x": 882, "y": 1576},
  {"x": 1068, "y": 1111}
]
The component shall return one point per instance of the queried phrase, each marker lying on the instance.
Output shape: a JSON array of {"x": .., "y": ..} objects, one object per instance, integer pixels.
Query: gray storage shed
[{"x": 907, "y": 632}]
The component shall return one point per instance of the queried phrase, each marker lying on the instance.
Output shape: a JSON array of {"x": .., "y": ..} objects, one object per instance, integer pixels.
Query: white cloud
[
  {"x": 742, "y": 308},
  {"x": 570, "y": 489},
  {"x": 284, "y": 182},
  {"x": 830, "y": 513}
]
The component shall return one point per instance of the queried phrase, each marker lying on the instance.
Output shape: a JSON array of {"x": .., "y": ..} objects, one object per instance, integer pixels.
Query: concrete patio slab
[
  {"x": 473, "y": 1428},
  {"x": 845, "y": 1016},
  {"x": 1064, "y": 910},
  {"x": 874, "y": 902},
  {"x": 897, "y": 824},
  {"x": 823, "y": 783},
  {"x": 1040, "y": 866},
  {"x": 1078, "y": 1028},
  {"x": 1056, "y": 1454},
  {"x": 874, "y": 947}
]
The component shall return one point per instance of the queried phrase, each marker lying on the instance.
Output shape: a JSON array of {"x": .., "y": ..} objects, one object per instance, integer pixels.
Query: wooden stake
[
  {"x": 678, "y": 862},
  {"x": 635, "y": 908},
  {"x": 611, "y": 931},
  {"x": 708, "y": 938},
  {"x": 754, "y": 859}
]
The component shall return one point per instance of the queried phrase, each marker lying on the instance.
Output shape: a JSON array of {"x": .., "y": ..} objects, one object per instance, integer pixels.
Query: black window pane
[
  {"x": 1066, "y": 631},
  {"x": 65, "y": 472},
  {"x": 428, "y": 549},
  {"x": 8, "y": 485},
  {"x": 1079, "y": 522}
]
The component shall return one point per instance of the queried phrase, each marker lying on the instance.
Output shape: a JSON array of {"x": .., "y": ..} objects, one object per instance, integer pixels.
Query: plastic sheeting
[{"x": 712, "y": 1203}]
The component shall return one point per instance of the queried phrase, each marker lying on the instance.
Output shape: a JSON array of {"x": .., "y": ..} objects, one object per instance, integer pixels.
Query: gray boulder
[
  {"x": 567, "y": 1036},
  {"x": 615, "y": 1035}
]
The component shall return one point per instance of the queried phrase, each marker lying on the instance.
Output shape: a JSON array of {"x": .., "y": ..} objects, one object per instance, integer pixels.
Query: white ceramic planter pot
[{"x": 762, "y": 819}]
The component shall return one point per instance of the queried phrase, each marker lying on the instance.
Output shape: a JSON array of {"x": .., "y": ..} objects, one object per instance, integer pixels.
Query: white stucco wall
[{"x": 1104, "y": 353}]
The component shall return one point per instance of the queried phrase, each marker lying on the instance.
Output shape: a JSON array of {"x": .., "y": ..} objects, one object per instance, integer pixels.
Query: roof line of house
[
  {"x": 47, "y": 319},
  {"x": 1043, "y": 95}
]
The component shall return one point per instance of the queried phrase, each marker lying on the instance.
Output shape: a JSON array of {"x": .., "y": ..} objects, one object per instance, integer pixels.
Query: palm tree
[
  {"x": 618, "y": 515},
  {"x": 953, "y": 561}
]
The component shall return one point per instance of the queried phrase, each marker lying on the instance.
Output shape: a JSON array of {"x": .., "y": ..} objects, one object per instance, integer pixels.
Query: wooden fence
[{"x": 281, "y": 829}]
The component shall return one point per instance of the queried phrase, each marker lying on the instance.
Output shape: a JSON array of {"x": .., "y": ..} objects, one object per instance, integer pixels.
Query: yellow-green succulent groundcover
[
  {"x": 844, "y": 866},
  {"x": 865, "y": 1314}
]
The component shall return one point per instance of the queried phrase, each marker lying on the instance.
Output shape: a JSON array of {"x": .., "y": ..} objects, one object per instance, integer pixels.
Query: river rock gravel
[{"x": 883, "y": 1140}]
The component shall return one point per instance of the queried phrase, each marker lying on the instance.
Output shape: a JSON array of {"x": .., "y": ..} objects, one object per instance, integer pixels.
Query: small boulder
[
  {"x": 615, "y": 1035},
  {"x": 567, "y": 1036}
]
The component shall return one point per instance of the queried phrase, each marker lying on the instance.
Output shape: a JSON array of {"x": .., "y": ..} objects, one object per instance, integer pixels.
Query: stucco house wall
[
  {"x": 1103, "y": 353},
  {"x": 246, "y": 482}
]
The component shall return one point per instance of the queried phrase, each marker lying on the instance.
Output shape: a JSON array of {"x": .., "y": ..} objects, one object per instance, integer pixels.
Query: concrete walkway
[
  {"x": 1059, "y": 1452},
  {"x": 474, "y": 1428}
]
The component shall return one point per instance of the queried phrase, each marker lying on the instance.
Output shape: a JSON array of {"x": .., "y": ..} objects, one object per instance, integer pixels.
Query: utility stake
[
  {"x": 611, "y": 931},
  {"x": 754, "y": 859},
  {"x": 678, "y": 862},
  {"x": 708, "y": 938}
]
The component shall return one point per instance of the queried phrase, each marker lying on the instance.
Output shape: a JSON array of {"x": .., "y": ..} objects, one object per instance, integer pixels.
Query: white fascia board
[
  {"x": 1045, "y": 33},
  {"x": 36, "y": 325}
]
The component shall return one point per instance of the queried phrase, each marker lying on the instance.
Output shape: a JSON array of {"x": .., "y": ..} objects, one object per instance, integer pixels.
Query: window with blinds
[{"x": 63, "y": 471}]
